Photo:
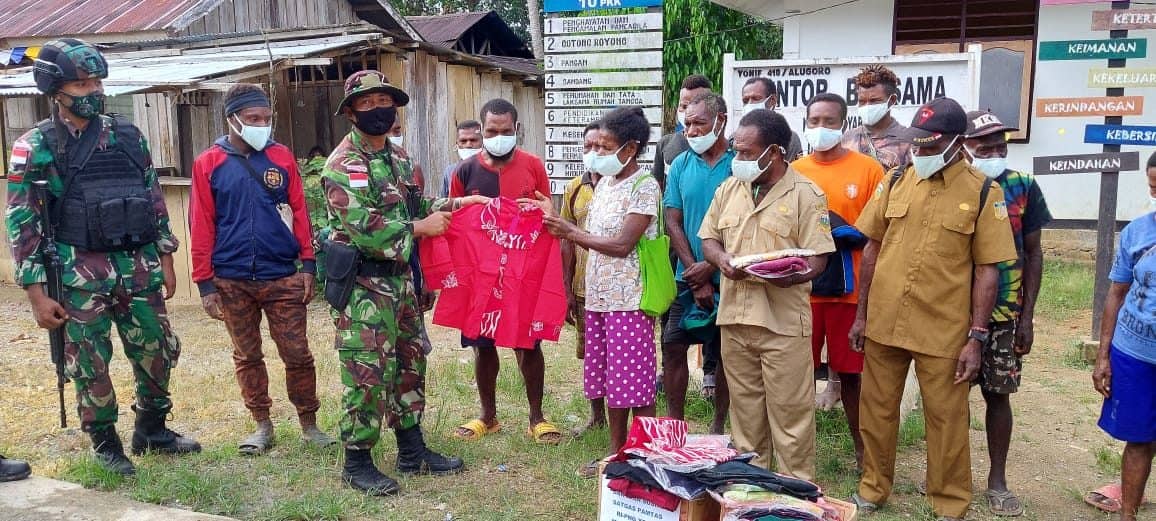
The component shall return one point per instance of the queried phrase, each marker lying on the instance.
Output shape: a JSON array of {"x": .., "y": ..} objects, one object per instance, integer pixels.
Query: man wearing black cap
[
  {"x": 1019, "y": 285},
  {"x": 930, "y": 229},
  {"x": 249, "y": 228}
]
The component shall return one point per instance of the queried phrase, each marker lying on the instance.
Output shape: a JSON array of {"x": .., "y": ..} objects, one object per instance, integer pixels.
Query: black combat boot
[
  {"x": 413, "y": 457},
  {"x": 13, "y": 469},
  {"x": 361, "y": 474},
  {"x": 151, "y": 435},
  {"x": 110, "y": 453}
]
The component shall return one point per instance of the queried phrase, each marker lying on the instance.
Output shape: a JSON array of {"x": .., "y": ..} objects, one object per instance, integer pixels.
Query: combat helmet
[{"x": 62, "y": 60}]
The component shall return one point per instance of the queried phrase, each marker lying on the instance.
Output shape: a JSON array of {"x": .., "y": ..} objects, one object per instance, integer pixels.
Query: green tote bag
[{"x": 658, "y": 288}]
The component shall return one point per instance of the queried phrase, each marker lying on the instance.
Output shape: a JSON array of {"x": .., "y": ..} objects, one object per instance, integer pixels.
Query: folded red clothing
[
  {"x": 660, "y": 498},
  {"x": 779, "y": 267}
]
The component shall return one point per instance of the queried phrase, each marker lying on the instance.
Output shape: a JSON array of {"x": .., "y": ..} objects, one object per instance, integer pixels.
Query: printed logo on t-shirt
[{"x": 852, "y": 191}]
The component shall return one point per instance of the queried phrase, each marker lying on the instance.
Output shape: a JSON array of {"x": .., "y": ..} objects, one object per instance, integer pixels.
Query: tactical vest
[{"x": 105, "y": 205}]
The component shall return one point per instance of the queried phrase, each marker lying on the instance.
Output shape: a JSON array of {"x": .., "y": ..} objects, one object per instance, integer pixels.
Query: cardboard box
[
  {"x": 848, "y": 511},
  {"x": 613, "y": 506}
]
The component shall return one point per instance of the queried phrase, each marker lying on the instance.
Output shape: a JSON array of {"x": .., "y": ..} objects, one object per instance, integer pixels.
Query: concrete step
[{"x": 43, "y": 499}]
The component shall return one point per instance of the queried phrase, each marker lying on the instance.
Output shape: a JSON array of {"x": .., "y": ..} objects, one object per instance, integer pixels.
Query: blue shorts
[{"x": 1129, "y": 414}]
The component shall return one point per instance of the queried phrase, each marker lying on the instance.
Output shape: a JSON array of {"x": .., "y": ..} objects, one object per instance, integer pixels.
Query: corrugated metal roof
[
  {"x": 445, "y": 28},
  {"x": 522, "y": 65},
  {"x": 22, "y": 18},
  {"x": 137, "y": 71}
]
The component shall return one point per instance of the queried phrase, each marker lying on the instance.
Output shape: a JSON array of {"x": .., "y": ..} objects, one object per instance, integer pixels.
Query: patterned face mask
[{"x": 88, "y": 106}]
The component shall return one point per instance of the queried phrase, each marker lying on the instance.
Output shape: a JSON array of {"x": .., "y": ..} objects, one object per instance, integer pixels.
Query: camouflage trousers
[
  {"x": 149, "y": 344},
  {"x": 382, "y": 349}
]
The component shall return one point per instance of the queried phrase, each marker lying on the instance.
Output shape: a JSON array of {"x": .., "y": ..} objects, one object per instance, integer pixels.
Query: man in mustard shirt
[
  {"x": 766, "y": 324},
  {"x": 933, "y": 230}
]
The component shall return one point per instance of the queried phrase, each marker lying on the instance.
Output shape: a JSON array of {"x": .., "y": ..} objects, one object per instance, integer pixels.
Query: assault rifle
[{"x": 55, "y": 290}]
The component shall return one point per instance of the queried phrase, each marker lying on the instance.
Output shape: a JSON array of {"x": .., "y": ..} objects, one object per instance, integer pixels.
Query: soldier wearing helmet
[{"x": 84, "y": 182}]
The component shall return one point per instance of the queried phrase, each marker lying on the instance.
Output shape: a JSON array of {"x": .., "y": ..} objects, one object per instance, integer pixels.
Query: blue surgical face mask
[
  {"x": 927, "y": 166},
  {"x": 874, "y": 112},
  {"x": 823, "y": 138},
  {"x": 608, "y": 165},
  {"x": 256, "y": 137},
  {"x": 748, "y": 171},
  {"x": 992, "y": 167},
  {"x": 701, "y": 144}
]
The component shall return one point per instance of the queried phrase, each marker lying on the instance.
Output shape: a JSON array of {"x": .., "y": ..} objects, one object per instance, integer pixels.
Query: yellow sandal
[
  {"x": 545, "y": 433},
  {"x": 478, "y": 430}
]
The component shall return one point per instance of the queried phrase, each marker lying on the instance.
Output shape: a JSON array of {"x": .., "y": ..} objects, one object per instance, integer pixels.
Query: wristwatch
[{"x": 979, "y": 334}]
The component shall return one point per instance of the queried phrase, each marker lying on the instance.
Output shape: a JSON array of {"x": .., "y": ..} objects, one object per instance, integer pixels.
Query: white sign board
[
  {"x": 556, "y": 152},
  {"x": 603, "y": 98},
  {"x": 602, "y": 42},
  {"x": 604, "y": 61},
  {"x": 605, "y": 24},
  {"x": 586, "y": 80},
  {"x": 577, "y": 134},
  {"x": 924, "y": 77},
  {"x": 587, "y": 116},
  {"x": 562, "y": 172}
]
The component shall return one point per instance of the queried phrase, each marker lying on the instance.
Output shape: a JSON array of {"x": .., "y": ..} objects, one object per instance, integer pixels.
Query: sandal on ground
[
  {"x": 545, "y": 433},
  {"x": 1004, "y": 503},
  {"x": 475, "y": 430},
  {"x": 1108, "y": 498},
  {"x": 256, "y": 444},
  {"x": 865, "y": 507},
  {"x": 589, "y": 470},
  {"x": 708, "y": 387},
  {"x": 317, "y": 437},
  {"x": 579, "y": 432},
  {"x": 922, "y": 488}
]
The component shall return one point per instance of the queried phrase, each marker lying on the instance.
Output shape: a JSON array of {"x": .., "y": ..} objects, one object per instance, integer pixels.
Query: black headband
[{"x": 246, "y": 100}]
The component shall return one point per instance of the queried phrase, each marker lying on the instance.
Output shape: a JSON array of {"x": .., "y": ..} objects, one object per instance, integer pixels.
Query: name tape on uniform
[
  {"x": 578, "y": 134},
  {"x": 605, "y": 24},
  {"x": 603, "y": 98},
  {"x": 1096, "y": 106},
  {"x": 604, "y": 61},
  {"x": 602, "y": 42},
  {"x": 1087, "y": 163},
  {"x": 587, "y": 116}
]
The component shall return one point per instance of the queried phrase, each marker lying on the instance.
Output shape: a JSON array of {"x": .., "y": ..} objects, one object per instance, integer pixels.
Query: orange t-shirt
[{"x": 849, "y": 183}]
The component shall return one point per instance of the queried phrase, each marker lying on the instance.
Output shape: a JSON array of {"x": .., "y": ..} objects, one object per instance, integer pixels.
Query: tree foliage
[
  {"x": 513, "y": 12},
  {"x": 694, "y": 45}
]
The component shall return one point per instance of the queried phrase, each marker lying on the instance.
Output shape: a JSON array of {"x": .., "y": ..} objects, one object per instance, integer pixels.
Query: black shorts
[
  {"x": 673, "y": 333},
  {"x": 488, "y": 342}
]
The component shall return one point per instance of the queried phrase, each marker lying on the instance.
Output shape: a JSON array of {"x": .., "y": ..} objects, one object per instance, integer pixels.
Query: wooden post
[{"x": 1109, "y": 189}]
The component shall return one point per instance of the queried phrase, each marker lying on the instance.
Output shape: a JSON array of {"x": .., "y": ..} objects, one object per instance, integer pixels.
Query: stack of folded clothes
[
  {"x": 661, "y": 464},
  {"x": 775, "y": 264}
]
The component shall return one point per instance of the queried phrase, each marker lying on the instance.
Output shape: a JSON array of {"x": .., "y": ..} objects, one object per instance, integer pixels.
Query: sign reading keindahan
[
  {"x": 922, "y": 77},
  {"x": 595, "y": 64}
]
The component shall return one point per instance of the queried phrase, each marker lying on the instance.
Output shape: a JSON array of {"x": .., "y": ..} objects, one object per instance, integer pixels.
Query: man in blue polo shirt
[{"x": 691, "y": 182}]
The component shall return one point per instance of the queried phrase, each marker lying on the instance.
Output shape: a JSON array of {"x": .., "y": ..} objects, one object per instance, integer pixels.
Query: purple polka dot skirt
[{"x": 620, "y": 362}]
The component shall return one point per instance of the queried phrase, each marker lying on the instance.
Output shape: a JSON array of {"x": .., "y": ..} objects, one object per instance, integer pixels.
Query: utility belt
[{"x": 344, "y": 263}]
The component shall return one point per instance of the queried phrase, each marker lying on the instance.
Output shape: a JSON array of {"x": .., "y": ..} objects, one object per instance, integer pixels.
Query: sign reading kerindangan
[{"x": 1095, "y": 106}]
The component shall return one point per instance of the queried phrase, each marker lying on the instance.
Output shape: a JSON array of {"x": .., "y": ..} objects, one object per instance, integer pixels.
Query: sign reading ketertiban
[
  {"x": 605, "y": 24},
  {"x": 604, "y": 61},
  {"x": 602, "y": 42},
  {"x": 1121, "y": 78},
  {"x": 1087, "y": 163},
  {"x": 1124, "y": 19},
  {"x": 1097, "y": 106},
  {"x": 1116, "y": 48},
  {"x": 603, "y": 98},
  {"x": 1120, "y": 135}
]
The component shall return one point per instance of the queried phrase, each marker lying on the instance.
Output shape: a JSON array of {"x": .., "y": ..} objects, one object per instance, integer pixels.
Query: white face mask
[
  {"x": 748, "y": 171},
  {"x": 701, "y": 144},
  {"x": 874, "y": 112},
  {"x": 608, "y": 165},
  {"x": 466, "y": 153},
  {"x": 397, "y": 140},
  {"x": 927, "y": 166},
  {"x": 681, "y": 118},
  {"x": 992, "y": 167},
  {"x": 751, "y": 107},
  {"x": 823, "y": 138},
  {"x": 500, "y": 145},
  {"x": 588, "y": 161},
  {"x": 256, "y": 137}
]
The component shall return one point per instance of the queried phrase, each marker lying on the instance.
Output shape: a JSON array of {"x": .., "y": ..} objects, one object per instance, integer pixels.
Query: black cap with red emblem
[{"x": 938, "y": 118}]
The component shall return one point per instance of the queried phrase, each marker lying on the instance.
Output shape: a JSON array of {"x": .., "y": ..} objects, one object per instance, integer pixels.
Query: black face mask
[{"x": 376, "y": 121}]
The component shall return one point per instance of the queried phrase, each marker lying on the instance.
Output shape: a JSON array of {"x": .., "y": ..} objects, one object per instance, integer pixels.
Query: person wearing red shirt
[
  {"x": 249, "y": 229},
  {"x": 503, "y": 170}
]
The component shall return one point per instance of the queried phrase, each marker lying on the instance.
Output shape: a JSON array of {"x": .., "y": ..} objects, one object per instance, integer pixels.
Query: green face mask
[{"x": 88, "y": 106}]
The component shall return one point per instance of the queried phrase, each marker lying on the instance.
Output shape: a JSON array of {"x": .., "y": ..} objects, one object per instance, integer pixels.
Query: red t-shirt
[
  {"x": 524, "y": 175},
  {"x": 500, "y": 273}
]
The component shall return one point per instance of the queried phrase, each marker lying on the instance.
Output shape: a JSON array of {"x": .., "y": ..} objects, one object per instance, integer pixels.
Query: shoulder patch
[
  {"x": 1000, "y": 208},
  {"x": 878, "y": 191}
]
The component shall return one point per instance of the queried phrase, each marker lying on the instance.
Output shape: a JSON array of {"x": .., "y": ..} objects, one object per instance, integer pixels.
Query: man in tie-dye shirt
[{"x": 1010, "y": 332}]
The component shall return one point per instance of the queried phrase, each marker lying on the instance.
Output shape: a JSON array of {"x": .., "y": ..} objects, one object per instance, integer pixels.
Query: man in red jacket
[{"x": 249, "y": 230}]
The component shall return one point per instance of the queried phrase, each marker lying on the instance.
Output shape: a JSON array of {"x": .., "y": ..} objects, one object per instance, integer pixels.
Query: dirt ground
[{"x": 1054, "y": 459}]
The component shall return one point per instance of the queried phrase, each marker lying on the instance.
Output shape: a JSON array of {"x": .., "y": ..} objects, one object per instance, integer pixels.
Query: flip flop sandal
[
  {"x": 256, "y": 444},
  {"x": 865, "y": 507},
  {"x": 589, "y": 470},
  {"x": 545, "y": 433},
  {"x": 477, "y": 428},
  {"x": 1107, "y": 498},
  {"x": 1004, "y": 503},
  {"x": 708, "y": 386}
]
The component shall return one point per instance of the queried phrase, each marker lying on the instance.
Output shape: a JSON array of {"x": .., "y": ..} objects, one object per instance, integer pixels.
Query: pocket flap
[
  {"x": 776, "y": 226},
  {"x": 728, "y": 221},
  {"x": 896, "y": 210},
  {"x": 340, "y": 260},
  {"x": 960, "y": 222}
]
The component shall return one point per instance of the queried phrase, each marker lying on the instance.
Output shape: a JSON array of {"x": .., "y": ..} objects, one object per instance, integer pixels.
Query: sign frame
[
  {"x": 1128, "y": 162},
  {"x": 1106, "y": 20},
  {"x": 1103, "y": 135},
  {"x": 1058, "y": 50},
  {"x": 636, "y": 22},
  {"x": 1135, "y": 106}
]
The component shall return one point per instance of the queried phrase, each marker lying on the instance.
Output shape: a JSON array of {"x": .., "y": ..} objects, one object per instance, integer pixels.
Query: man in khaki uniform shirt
[
  {"x": 932, "y": 232},
  {"x": 766, "y": 325}
]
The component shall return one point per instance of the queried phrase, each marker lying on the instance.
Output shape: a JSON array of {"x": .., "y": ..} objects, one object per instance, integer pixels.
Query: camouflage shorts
[{"x": 1000, "y": 369}]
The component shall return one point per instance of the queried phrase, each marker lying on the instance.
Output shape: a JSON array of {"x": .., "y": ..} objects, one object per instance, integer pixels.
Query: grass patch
[
  {"x": 1109, "y": 460},
  {"x": 1074, "y": 356},
  {"x": 1066, "y": 289}
]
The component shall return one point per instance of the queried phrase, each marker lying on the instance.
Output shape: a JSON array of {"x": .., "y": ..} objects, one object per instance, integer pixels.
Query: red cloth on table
[
  {"x": 660, "y": 498},
  {"x": 500, "y": 273}
]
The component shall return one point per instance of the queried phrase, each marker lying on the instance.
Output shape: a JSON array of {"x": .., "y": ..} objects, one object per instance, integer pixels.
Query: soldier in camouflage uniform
[
  {"x": 380, "y": 339},
  {"x": 113, "y": 265},
  {"x": 315, "y": 200}
]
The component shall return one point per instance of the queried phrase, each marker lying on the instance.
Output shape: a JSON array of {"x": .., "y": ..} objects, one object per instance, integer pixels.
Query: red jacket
[{"x": 500, "y": 273}]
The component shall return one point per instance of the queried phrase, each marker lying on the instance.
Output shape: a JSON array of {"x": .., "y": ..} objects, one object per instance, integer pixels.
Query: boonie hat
[
  {"x": 982, "y": 123},
  {"x": 935, "y": 119},
  {"x": 368, "y": 82}
]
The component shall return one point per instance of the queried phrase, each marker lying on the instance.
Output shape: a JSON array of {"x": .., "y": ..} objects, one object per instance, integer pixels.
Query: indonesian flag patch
[
  {"x": 358, "y": 180},
  {"x": 19, "y": 162}
]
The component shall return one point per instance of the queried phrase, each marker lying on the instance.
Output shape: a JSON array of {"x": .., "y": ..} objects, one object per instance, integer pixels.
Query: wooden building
[{"x": 171, "y": 60}]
